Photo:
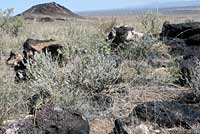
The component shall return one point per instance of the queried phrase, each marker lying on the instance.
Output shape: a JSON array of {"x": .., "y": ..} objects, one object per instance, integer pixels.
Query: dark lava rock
[
  {"x": 193, "y": 40},
  {"x": 119, "y": 127},
  {"x": 125, "y": 125},
  {"x": 181, "y": 30},
  {"x": 189, "y": 98},
  {"x": 168, "y": 114},
  {"x": 50, "y": 120}
]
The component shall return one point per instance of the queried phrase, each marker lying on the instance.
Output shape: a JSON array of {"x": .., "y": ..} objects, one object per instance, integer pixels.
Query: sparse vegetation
[{"x": 90, "y": 67}]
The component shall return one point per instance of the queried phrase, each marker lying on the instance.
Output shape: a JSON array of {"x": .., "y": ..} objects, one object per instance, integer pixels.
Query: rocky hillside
[{"x": 48, "y": 12}]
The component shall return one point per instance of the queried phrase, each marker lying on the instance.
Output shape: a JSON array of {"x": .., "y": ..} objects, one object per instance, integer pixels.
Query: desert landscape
[{"x": 111, "y": 72}]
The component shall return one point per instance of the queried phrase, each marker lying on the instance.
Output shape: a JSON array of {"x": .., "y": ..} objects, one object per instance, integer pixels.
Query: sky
[{"x": 79, "y": 5}]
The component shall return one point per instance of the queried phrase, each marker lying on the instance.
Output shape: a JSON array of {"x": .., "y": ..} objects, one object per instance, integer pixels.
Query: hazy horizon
[{"x": 87, "y": 5}]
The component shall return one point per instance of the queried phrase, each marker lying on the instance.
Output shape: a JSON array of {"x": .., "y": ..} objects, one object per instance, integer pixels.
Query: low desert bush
[
  {"x": 12, "y": 99},
  {"x": 94, "y": 73},
  {"x": 48, "y": 76},
  {"x": 151, "y": 22},
  {"x": 106, "y": 27},
  {"x": 85, "y": 74},
  {"x": 140, "y": 49},
  {"x": 195, "y": 78},
  {"x": 8, "y": 23},
  {"x": 142, "y": 55}
]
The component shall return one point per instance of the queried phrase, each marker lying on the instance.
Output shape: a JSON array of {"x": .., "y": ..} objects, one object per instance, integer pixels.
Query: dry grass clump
[
  {"x": 95, "y": 73},
  {"x": 106, "y": 27},
  {"x": 151, "y": 22},
  {"x": 12, "y": 96},
  {"x": 195, "y": 78},
  {"x": 138, "y": 50}
]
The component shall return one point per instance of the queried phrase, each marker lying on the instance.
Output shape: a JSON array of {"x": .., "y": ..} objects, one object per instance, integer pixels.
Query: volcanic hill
[{"x": 48, "y": 12}]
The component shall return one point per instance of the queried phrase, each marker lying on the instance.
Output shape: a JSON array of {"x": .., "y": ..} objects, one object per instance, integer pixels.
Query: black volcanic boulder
[
  {"x": 168, "y": 114},
  {"x": 31, "y": 46},
  {"x": 193, "y": 40},
  {"x": 119, "y": 127},
  {"x": 119, "y": 35},
  {"x": 54, "y": 120},
  {"x": 183, "y": 38},
  {"x": 50, "y": 120},
  {"x": 19, "y": 63},
  {"x": 181, "y": 30}
]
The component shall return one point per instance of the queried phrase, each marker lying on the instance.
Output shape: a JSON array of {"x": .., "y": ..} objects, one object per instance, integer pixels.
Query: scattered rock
[
  {"x": 55, "y": 120},
  {"x": 50, "y": 120},
  {"x": 132, "y": 125},
  {"x": 119, "y": 127},
  {"x": 168, "y": 114},
  {"x": 20, "y": 126},
  {"x": 189, "y": 98}
]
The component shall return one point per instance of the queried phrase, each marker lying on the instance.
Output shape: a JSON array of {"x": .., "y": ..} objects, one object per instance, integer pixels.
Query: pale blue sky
[{"x": 79, "y": 5}]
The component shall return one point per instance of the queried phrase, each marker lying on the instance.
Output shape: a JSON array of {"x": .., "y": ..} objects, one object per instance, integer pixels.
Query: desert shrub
[
  {"x": 8, "y": 23},
  {"x": 191, "y": 77},
  {"x": 142, "y": 55},
  {"x": 139, "y": 50},
  {"x": 71, "y": 86},
  {"x": 174, "y": 71},
  {"x": 12, "y": 99},
  {"x": 189, "y": 20},
  {"x": 151, "y": 22},
  {"x": 195, "y": 78},
  {"x": 94, "y": 73},
  {"x": 47, "y": 76},
  {"x": 105, "y": 27}
]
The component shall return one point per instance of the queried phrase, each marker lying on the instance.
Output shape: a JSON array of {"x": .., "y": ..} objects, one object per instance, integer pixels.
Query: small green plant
[
  {"x": 151, "y": 22},
  {"x": 106, "y": 27},
  {"x": 139, "y": 50},
  {"x": 189, "y": 20},
  {"x": 8, "y": 23},
  {"x": 195, "y": 78},
  {"x": 12, "y": 102}
]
